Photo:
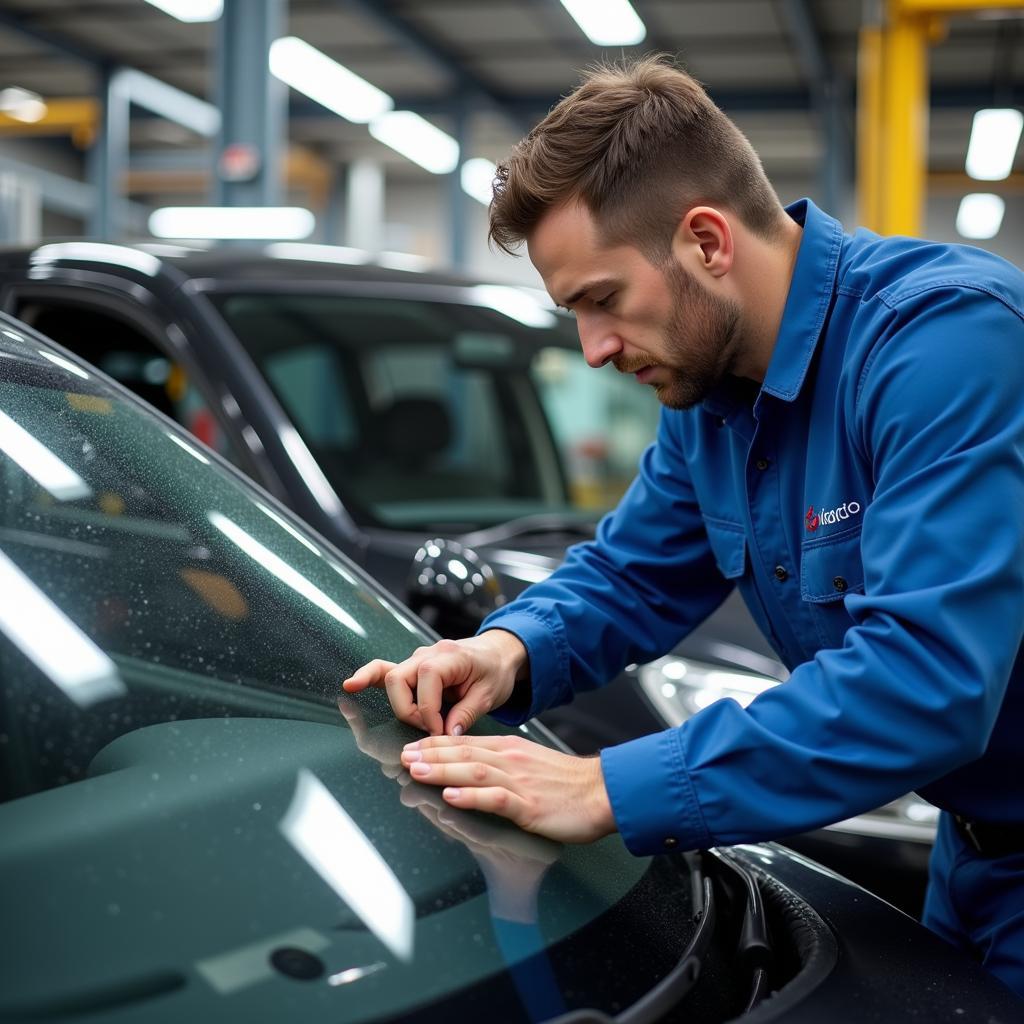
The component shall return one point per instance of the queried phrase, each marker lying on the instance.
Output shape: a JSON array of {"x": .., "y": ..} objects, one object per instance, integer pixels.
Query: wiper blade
[
  {"x": 754, "y": 947},
  {"x": 677, "y": 983}
]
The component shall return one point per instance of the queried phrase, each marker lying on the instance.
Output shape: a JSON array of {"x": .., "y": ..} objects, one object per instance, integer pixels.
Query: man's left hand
[{"x": 543, "y": 791}]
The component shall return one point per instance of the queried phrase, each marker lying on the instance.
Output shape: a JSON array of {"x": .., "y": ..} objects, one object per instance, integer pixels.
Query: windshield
[
  {"x": 191, "y": 819},
  {"x": 424, "y": 414}
]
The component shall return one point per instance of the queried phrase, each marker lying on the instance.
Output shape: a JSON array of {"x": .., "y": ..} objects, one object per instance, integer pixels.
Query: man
[{"x": 842, "y": 437}]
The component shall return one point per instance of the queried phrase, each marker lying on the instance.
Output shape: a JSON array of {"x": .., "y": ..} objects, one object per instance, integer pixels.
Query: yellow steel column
[{"x": 905, "y": 122}]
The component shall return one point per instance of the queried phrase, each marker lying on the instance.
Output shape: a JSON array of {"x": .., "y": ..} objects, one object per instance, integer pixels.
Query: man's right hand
[{"x": 478, "y": 673}]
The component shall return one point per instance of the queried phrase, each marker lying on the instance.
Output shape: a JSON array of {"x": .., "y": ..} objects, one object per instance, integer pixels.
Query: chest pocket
[
  {"x": 830, "y": 569},
  {"x": 729, "y": 545}
]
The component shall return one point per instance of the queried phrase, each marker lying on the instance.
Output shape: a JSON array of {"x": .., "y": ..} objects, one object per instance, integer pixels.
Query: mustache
[{"x": 631, "y": 364}]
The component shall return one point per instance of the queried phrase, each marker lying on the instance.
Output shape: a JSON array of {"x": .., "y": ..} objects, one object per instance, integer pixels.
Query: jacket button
[
  {"x": 762, "y": 464},
  {"x": 781, "y": 573},
  {"x": 840, "y": 584},
  {"x": 720, "y": 421},
  {"x": 671, "y": 843}
]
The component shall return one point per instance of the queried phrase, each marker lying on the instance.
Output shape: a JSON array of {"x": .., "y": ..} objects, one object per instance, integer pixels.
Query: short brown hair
[{"x": 638, "y": 143}]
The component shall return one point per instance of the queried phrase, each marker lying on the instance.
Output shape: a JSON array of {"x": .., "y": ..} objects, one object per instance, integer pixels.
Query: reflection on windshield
[
  {"x": 147, "y": 565},
  {"x": 289, "y": 576},
  {"x": 512, "y": 862},
  {"x": 58, "y": 648},
  {"x": 40, "y": 463},
  {"x": 335, "y": 847}
]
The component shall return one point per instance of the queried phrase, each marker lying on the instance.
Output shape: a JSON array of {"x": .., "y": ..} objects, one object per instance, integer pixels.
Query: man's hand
[
  {"x": 479, "y": 673},
  {"x": 541, "y": 790}
]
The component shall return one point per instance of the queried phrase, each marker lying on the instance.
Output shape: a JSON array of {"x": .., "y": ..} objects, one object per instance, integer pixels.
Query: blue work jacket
[{"x": 868, "y": 501}]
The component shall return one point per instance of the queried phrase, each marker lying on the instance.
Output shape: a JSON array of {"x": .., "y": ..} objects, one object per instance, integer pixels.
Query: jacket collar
[
  {"x": 805, "y": 312},
  {"x": 809, "y": 300}
]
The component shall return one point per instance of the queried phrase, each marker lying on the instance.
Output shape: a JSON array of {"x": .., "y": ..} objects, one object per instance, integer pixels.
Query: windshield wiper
[
  {"x": 680, "y": 980},
  {"x": 754, "y": 947}
]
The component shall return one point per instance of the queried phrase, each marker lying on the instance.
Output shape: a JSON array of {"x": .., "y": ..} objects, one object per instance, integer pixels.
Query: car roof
[{"x": 277, "y": 262}]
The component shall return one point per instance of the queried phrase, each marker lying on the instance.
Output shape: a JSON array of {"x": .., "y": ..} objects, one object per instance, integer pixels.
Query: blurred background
[{"x": 383, "y": 118}]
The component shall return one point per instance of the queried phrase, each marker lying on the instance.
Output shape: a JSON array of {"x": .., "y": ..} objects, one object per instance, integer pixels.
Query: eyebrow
[{"x": 589, "y": 286}]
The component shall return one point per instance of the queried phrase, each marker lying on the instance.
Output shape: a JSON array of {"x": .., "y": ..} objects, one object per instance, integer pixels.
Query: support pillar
[
  {"x": 457, "y": 199},
  {"x": 108, "y": 160},
  {"x": 364, "y": 206},
  {"x": 250, "y": 145}
]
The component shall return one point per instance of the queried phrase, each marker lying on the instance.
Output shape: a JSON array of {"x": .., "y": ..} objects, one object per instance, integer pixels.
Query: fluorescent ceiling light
[
  {"x": 334, "y": 846},
  {"x": 607, "y": 22},
  {"x": 332, "y": 85},
  {"x": 190, "y": 10},
  {"x": 255, "y": 222},
  {"x": 40, "y": 463},
  {"x": 994, "y": 137},
  {"x": 980, "y": 215},
  {"x": 22, "y": 105},
  {"x": 278, "y": 567},
  {"x": 477, "y": 178},
  {"x": 52, "y": 642},
  {"x": 514, "y": 303},
  {"x": 418, "y": 140}
]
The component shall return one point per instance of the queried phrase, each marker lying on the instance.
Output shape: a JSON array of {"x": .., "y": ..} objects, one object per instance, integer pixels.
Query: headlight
[{"x": 678, "y": 688}]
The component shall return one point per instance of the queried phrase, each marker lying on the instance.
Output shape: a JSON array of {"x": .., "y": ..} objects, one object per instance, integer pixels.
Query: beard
[{"x": 700, "y": 342}]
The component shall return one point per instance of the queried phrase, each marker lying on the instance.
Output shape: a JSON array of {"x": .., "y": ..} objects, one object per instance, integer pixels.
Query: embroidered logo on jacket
[{"x": 834, "y": 515}]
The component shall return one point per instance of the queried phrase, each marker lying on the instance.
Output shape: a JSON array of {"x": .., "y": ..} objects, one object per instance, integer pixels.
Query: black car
[
  {"x": 446, "y": 434},
  {"x": 193, "y": 826}
]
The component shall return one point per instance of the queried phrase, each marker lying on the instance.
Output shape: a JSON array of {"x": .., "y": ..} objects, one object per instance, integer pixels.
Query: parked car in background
[
  {"x": 195, "y": 826},
  {"x": 446, "y": 434}
]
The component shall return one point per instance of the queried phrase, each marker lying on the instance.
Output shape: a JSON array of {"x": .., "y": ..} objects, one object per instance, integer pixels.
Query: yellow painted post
[
  {"x": 905, "y": 122},
  {"x": 870, "y": 117}
]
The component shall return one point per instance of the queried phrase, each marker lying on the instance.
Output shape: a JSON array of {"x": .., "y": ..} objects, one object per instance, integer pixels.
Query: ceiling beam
[{"x": 426, "y": 47}]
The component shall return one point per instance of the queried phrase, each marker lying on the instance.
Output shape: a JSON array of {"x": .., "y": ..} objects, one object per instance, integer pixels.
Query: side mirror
[{"x": 452, "y": 588}]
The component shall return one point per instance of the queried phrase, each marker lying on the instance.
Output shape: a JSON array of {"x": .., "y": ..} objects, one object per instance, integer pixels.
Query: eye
[{"x": 606, "y": 301}]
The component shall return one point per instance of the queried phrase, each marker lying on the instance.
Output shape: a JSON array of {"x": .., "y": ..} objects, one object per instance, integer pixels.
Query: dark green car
[{"x": 196, "y": 825}]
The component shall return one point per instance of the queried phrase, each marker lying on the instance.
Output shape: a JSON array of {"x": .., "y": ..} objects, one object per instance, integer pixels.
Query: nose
[{"x": 600, "y": 344}]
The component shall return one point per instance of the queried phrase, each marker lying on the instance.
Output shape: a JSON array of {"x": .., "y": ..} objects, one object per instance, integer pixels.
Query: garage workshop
[{"x": 512, "y": 511}]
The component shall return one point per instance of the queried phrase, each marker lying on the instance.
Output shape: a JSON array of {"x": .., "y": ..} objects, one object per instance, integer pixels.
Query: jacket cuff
[
  {"x": 652, "y": 797},
  {"x": 548, "y": 666}
]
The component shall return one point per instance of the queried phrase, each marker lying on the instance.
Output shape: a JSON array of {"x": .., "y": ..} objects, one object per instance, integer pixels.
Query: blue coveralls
[{"x": 868, "y": 500}]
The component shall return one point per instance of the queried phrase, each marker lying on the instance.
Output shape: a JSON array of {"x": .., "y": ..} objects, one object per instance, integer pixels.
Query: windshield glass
[
  {"x": 426, "y": 413},
  {"x": 190, "y": 819}
]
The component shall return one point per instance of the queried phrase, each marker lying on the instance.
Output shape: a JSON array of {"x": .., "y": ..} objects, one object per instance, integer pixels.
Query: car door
[{"x": 138, "y": 344}]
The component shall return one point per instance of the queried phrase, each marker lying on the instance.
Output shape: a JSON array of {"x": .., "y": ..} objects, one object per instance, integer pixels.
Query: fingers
[
  {"x": 429, "y": 688},
  {"x": 504, "y": 743},
  {"x": 492, "y": 799},
  {"x": 371, "y": 674},
  {"x": 452, "y": 752},
  {"x": 462, "y": 773},
  {"x": 466, "y": 713}
]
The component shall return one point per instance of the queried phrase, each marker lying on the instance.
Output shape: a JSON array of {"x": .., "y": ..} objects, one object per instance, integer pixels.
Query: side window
[
  {"x": 311, "y": 382},
  {"x": 127, "y": 355},
  {"x": 601, "y": 421}
]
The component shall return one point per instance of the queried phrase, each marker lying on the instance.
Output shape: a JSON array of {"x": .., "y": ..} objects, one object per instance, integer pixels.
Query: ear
[{"x": 703, "y": 241}]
